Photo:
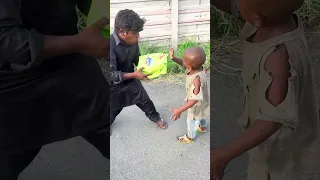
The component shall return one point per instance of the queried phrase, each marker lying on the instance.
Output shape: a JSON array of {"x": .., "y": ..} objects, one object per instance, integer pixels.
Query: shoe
[{"x": 201, "y": 129}]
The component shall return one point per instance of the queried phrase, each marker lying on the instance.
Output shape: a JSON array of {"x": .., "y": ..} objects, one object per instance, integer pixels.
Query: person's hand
[
  {"x": 176, "y": 113},
  {"x": 171, "y": 53},
  {"x": 91, "y": 41},
  {"x": 217, "y": 164},
  {"x": 139, "y": 75}
]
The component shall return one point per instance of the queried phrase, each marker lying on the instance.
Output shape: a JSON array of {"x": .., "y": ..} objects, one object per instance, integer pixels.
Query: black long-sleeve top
[
  {"x": 46, "y": 100},
  {"x": 123, "y": 58}
]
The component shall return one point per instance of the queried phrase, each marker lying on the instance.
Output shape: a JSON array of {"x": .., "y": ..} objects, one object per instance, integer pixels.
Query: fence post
[{"x": 174, "y": 23}]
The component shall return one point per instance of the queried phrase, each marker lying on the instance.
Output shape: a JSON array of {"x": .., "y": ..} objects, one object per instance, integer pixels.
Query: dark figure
[
  {"x": 126, "y": 88},
  {"x": 51, "y": 86}
]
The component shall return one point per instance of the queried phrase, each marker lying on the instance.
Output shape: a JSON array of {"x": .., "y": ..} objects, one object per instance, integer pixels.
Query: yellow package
[
  {"x": 154, "y": 64},
  {"x": 98, "y": 10}
]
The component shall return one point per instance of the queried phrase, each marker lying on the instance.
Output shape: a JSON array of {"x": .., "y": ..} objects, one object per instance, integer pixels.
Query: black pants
[
  {"x": 11, "y": 165},
  {"x": 146, "y": 106}
]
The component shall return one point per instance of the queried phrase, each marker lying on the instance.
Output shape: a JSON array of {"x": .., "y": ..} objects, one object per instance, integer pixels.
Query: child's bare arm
[
  {"x": 189, "y": 103},
  {"x": 260, "y": 131},
  {"x": 175, "y": 59},
  {"x": 178, "y": 61},
  {"x": 278, "y": 67}
]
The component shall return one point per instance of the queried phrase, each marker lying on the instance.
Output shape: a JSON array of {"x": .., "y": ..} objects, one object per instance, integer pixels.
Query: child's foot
[
  {"x": 201, "y": 129},
  {"x": 185, "y": 139}
]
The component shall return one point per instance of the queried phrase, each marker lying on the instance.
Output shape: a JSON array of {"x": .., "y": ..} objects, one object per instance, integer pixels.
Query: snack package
[
  {"x": 154, "y": 64},
  {"x": 98, "y": 10}
]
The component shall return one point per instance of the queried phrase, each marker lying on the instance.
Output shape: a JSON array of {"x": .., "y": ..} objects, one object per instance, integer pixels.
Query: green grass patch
[
  {"x": 173, "y": 68},
  {"x": 225, "y": 25}
]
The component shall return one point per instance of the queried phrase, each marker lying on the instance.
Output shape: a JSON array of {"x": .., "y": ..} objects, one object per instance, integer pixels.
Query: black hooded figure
[{"x": 51, "y": 85}]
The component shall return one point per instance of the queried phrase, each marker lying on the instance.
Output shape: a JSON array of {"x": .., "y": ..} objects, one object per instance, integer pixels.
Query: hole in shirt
[{"x": 277, "y": 91}]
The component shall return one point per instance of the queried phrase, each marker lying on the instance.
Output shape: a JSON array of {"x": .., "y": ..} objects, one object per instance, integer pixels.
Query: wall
[{"x": 169, "y": 21}]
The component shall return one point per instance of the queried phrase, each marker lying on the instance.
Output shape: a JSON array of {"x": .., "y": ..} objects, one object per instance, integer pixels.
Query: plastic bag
[
  {"x": 154, "y": 64},
  {"x": 98, "y": 10}
]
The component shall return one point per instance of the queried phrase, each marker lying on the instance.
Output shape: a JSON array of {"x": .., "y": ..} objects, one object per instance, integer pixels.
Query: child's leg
[
  {"x": 202, "y": 125},
  {"x": 193, "y": 128},
  {"x": 192, "y": 132}
]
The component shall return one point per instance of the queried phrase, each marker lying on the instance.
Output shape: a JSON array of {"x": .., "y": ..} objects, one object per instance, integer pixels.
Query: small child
[
  {"x": 280, "y": 119},
  {"x": 197, "y": 93}
]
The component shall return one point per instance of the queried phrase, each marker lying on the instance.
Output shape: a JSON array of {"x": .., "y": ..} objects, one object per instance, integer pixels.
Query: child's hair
[
  {"x": 128, "y": 20},
  {"x": 275, "y": 10},
  {"x": 195, "y": 56}
]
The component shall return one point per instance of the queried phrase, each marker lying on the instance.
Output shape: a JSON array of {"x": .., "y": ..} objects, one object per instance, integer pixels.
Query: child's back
[
  {"x": 201, "y": 109},
  {"x": 293, "y": 147},
  {"x": 197, "y": 93}
]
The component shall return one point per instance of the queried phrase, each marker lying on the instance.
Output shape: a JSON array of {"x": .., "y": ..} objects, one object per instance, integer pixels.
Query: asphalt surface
[
  {"x": 139, "y": 149},
  {"x": 73, "y": 159},
  {"x": 142, "y": 151},
  {"x": 226, "y": 108}
]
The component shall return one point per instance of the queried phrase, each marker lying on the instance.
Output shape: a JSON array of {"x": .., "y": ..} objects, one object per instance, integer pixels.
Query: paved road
[
  {"x": 226, "y": 108},
  {"x": 73, "y": 159},
  {"x": 141, "y": 151}
]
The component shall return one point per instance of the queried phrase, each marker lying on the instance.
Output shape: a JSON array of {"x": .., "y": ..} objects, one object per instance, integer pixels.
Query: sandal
[
  {"x": 184, "y": 139},
  {"x": 201, "y": 129},
  {"x": 161, "y": 124}
]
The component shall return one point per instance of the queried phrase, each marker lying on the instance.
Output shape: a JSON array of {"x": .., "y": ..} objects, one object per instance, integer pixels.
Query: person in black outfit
[
  {"x": 125, "y": 87},
  {"x": 51, "y": 85}
]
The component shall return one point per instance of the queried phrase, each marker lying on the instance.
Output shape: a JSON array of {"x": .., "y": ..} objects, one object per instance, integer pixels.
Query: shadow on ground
[
  {"x": 73, "y": 159},
  {"x": 139, "y": 150}
]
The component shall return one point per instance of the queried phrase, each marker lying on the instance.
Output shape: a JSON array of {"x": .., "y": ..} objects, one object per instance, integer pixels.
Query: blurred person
[
  {"x": 51, "y": 85},
  {"x": 280, "y": 119}
]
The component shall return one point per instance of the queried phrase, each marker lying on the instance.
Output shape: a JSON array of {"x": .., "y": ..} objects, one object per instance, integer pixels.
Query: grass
[
  {"x": 173, "y": 68},
  {"x": 225, "y": 30},
  {"x": 224, "y": 25},
  {"x": 81, "y": 20}
]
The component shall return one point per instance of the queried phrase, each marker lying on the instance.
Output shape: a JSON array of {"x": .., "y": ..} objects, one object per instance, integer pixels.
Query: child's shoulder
[
  {"x": 277, "y": 63},
  {"x": 202, "y": 77}
]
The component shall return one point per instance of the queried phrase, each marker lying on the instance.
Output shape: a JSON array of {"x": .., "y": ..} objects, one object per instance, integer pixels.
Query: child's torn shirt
[
  {"x": 201, "y": 109},
  {"x": 293, "y": 149}
]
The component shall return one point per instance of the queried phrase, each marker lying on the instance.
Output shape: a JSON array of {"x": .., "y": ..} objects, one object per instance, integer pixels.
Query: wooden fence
[{"x": 169, "y": 21}]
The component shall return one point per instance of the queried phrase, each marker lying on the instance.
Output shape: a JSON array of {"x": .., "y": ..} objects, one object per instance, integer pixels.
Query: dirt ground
[{"x": 226, "y": 108}]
